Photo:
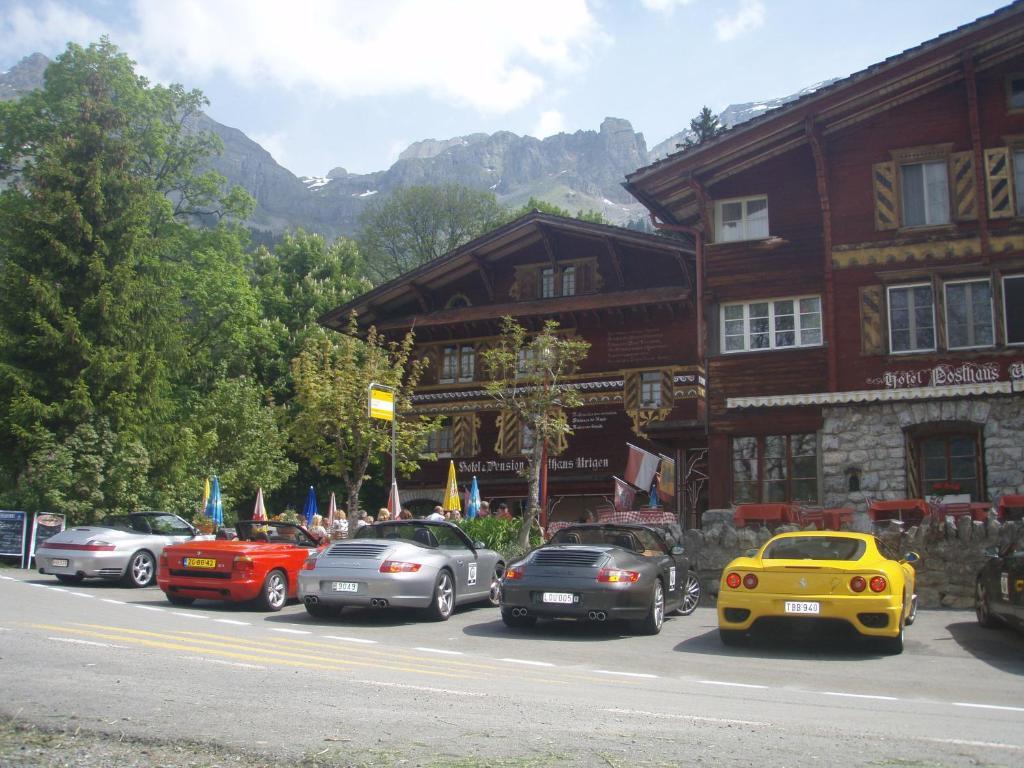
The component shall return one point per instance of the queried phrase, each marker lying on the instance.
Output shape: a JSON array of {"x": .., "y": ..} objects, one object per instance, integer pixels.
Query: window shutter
[
  {"x": 884, "y": 184},
  {"x": 997, "y": 176},
  {"x": 631, "y": 391},
  {"x": 584, "y": 283},
  {"x": 872, "y": 338},
  {"x": 965, "y": 192},
  {"x": 508, "y": 434},
  {"x": 529, "y": 284},
  {"x": 464, "y": 435},
  {"x": 667, "y": 388}
]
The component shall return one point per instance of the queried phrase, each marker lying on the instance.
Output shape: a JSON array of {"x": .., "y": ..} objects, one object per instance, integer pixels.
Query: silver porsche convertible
[
  {"x": 405, "y": 563},
  {"x": 125, "y": 548}
]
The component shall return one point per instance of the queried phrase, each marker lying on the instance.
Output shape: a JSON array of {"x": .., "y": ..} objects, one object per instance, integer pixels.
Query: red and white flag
[
  {"x": 260, "y": 511},
  {"x": 640, "y": 467},
  {"x": 624, "y": 495},
  {"x": 394, "y": 503},
  {"x": 332, "y": 511}
]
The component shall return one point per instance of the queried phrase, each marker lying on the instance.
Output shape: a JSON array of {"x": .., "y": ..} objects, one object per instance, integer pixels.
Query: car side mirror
[
  {"x": 479, "y": 545},
  {"x": 911, "y": 557},
  {"x": 678, "y": 550}
]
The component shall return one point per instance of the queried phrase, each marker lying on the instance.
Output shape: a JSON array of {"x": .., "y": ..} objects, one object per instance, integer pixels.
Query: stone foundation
[{"x": 952, "y": 552}]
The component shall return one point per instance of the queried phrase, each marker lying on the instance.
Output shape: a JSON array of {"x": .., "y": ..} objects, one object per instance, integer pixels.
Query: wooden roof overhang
[
  {"x": 670, "y": 188},
  {"x": 386, "y": 306}
]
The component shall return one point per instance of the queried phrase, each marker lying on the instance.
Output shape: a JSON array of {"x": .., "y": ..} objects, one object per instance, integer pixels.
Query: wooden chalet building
[
  {"x": 630, "y": 294},
  {"x": 860, "y": 261}
]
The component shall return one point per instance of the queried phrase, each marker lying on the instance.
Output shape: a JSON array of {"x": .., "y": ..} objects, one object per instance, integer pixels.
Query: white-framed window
[
  {"x": 547, "y": 283},
  {"x": 440, "y": 441},
  {"x": 924, "y": 193},
  {"x": 467, "y": 362},
  {"x": 969, "y": 320},
  {"x": 650, "y": 389},
  {"x": 1013, "y": 308},
  {"x": 1015, "y": 92},
  {"x": 775, "y": 468},
  {"x": 449, "y": 365},
  {"x": 744, "y": 218},
  {"x": 911, "y": 318},
  {"x": 569, "y": 281},
  {"x": 772, "y": 324}
]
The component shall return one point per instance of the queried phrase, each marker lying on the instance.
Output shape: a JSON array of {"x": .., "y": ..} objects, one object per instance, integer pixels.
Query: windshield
[
  {"x": 815, "y": 548},
  {"x": 633, "y": 539},
  {"x": 442, "y": 536}
]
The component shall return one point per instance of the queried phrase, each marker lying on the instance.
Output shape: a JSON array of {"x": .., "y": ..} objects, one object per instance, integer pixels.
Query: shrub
[{"x": 500, "y": 535}]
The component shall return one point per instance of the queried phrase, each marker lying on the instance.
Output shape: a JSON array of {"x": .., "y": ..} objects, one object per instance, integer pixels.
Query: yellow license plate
[{"x": 199, "y": 562}]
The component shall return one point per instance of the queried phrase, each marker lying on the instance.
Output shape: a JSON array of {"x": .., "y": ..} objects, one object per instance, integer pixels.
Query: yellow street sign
[{"x": 382, "y": 404}]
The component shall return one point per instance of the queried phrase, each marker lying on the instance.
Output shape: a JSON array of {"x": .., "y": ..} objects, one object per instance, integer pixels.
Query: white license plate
[
  {"x": 59, "y": 562},
  {"x": 345, "y": 586},
  {"x": 559, "y": 597},
  {"x": 803, "y": 607}
]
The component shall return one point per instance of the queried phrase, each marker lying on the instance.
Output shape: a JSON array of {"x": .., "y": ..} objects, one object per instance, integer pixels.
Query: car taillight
[
  {"x": 615, "y": 576},
  {"x": 242, "y": 563},
  {"x": 733, "y": 580},
  {"x": 310, "y": 563},
  {"x": 858, "y": 584},
  {"x": 878, "y": 583},
  {"x": 514, "y": 573},
  {"x": 397, "y": 566},
  {"x": 750, "y": 581}
]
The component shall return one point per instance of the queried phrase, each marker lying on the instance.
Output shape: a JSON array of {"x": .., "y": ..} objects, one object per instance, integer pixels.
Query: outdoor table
[
  {"x": 911, "y": 511},
  {"x": 764, "y": 514},
  {"x": 1011, "y": 507}
]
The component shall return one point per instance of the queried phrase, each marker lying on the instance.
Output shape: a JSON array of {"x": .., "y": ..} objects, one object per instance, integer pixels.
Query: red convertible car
[{"x": 262, "y": 565}]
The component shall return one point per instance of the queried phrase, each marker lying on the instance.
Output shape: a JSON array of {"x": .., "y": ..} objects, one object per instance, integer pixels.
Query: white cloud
[
  {"x": 550, "y": 123},
  {"x": 45, "y": 28},
  {"x": 748, "y": 17},
  {"x": 663, "y": 6},
  {"x": 493, "y": 57}
]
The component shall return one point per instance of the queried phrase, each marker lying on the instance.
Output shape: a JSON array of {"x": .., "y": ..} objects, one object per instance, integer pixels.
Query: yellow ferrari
[{"x": 820, "y": 576}]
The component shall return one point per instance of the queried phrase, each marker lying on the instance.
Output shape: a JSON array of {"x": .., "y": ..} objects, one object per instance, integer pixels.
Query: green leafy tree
[
  {"x": 111, "y": 307},
  {"x": 704, "y": 127},
  {"x": 534, "y": 204},
  {"x": 418, "y": 224},
  {"x": 331, "y": 427},
  {"x": 527, "y": 375}
]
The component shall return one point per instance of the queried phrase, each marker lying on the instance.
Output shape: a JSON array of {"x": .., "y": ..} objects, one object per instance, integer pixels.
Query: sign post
[{"x": 381, "y": 405}]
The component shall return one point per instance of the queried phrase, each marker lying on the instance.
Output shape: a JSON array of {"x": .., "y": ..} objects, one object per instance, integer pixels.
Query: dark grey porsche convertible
[{"x": 598, "y": 572}]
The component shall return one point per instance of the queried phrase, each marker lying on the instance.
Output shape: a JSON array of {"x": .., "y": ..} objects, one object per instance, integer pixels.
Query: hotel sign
[{"x": 950, "y": 375}]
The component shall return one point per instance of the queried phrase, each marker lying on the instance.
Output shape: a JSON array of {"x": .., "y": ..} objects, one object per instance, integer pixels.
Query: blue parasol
[
  {"x": 214, "y": 507},
  {"x": 473, "y": 505},
  {"x": 310, "y": 509}
]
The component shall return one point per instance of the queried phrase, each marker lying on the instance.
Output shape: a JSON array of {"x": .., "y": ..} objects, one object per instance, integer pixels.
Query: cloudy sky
[{"x": 350, "y": 83}]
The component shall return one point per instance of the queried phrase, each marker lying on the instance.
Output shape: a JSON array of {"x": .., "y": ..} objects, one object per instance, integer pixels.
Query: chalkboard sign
[
  {"x": 13, "y": 526},
  {"x": 45, "y": 526}
]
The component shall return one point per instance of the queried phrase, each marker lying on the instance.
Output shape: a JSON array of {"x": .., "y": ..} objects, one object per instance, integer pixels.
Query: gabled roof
[
  {"x": 665, "y": 187},
  {"x": 377, "y": 306}
]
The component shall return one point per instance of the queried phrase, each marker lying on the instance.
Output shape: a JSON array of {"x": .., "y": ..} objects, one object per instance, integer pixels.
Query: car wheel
[
  {"x": 732, "y": 637},
  {"x": 69, "y": 578},
  {"x": 691, "y": 595},
  {"x": 141, "y": 571},
  {"x": 891, "y": 645},
  {"x": 517, "y": 622},
  {"x": 981, "y": 607},
  {"x": 652, "y": 623},
  {"x": 494, "y": 594},
  {"x": 321, "y": 611},
  {"x": 274, "y": 594},
  {"x": 443, "y": 601},
  {"x": 179, "y": 600}
]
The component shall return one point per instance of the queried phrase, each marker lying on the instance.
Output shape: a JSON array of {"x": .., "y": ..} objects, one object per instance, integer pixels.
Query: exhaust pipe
[
  {"x": 597, "y": 615},
  {"x": 517, "y": 612},
  {"x": 378, "y": 602},
  {"x": 312, "y": 600}
]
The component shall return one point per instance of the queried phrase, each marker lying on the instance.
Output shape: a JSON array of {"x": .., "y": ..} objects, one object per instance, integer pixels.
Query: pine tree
[{"x": 704, "y": 127}]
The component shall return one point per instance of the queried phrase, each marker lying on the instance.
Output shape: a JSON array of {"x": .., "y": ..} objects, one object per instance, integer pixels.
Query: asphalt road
[{"x": 387, "y": 688}]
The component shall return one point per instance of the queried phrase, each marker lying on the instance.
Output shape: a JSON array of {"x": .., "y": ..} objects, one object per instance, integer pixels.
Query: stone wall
[
  {"x": 869, "y": 439},
  {"x": 952, "y": 552}
]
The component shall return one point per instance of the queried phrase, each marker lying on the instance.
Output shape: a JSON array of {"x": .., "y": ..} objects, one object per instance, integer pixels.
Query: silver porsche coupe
[
  {"x": 404, "y": 563},
  {"x": 125, "y": 548}
]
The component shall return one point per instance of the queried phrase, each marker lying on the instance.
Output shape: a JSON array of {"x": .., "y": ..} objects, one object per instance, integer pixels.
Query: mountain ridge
[{"x": 583, "y": 170}]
